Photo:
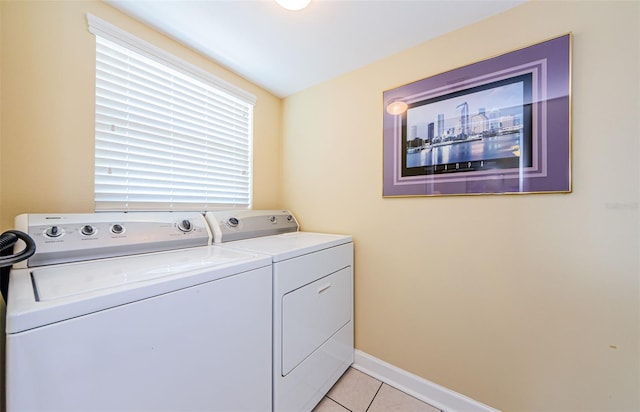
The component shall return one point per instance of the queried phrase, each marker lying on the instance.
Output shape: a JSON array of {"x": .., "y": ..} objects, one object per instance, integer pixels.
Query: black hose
[{"x": 8, "y": 239}]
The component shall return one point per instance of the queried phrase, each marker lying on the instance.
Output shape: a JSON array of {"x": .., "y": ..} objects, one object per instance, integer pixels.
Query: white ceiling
[{"x": 288, "y": 51}]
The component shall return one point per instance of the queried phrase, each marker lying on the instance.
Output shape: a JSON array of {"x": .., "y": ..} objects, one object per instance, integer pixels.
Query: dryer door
[{"x": 312, "y": 314}]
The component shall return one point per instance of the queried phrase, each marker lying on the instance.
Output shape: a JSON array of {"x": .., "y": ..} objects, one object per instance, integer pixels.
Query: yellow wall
[
  {"x": 525, "y": 303},
  {"x": 48, "y": 108},
  {"x": 0, "y": 114}
]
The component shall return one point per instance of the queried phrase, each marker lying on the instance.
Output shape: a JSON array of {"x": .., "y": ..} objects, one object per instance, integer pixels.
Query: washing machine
[
  {"x": 312, "y": 300},
  {"x": 137, "y": 312}
]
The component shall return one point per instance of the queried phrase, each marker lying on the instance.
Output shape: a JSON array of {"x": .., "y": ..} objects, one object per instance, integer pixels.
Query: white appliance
[
  {"x": 134, "y": 312},
  {"x": 312, "y": 300}
]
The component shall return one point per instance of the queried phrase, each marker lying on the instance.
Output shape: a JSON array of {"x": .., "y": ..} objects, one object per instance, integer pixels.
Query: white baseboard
[{"x": 429, "y": 392}]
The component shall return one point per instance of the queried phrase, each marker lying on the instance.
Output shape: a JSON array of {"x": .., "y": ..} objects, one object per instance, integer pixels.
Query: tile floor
[{"x": 358, "y": 392}]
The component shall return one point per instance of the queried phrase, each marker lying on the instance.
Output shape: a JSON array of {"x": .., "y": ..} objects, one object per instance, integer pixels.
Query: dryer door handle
[{"x": 324, "y": 288}]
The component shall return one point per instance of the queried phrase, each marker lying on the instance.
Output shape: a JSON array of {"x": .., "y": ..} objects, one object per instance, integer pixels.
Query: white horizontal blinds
[{"x": 166, "y": 140}]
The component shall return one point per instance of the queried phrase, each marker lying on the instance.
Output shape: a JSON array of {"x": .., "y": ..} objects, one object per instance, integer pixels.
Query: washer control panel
[
  {"x": 62, "y": 238},
  {"x": 228, "y": 225}
]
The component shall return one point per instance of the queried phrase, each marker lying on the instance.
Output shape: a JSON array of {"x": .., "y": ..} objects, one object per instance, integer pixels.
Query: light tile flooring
[{"x": 358, "y": 392}]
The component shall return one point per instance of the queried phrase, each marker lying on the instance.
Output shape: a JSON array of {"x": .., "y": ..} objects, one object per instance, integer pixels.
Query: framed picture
[{"x": 501, "y": 125}]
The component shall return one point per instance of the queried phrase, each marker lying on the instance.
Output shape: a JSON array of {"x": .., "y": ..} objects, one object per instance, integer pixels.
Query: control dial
[
  {"x": 233, "y": 221},
  {"x": 185, "y": 225},
  {"x": 272, "y": 219},
  {"x": 117, "y": 229},
  {"x": 88, "y": 230},
  {"x": 53, "y": 231}
]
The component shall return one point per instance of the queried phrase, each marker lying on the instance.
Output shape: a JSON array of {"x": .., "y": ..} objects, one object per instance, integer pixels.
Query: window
[{"x": 169, "y": 136}]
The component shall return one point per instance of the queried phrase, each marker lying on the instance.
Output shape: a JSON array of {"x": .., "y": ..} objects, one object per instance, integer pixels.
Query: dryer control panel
[
  {"x": 62, "y": 238},
  {"x": 228, "y": 225}
]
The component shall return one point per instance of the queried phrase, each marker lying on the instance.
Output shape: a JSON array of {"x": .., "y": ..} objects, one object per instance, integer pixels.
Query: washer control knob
[
  {"x": 88, "y": 230},
  {"x": 117, "y": 229},
  {"x": 53, "y": 231},
  {"x": 233, "y": 221},
  {"x": 289, "y": 218},
  {"x": 272, "y": 219},
  {"x": 185, "y": 226}
]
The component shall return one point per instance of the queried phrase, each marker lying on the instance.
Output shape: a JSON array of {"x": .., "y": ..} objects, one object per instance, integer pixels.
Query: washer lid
[
  {"x": 290, "y": 245},
  {"x": 46, "y": 295},
  {"x": 63, "y": 281}
]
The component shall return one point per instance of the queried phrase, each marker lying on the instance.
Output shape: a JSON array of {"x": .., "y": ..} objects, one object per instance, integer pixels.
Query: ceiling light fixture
[{"x": 293, "y": 4}]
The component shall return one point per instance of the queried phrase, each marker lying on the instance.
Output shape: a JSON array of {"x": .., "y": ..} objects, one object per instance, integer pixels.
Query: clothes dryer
[{"x": 312, "y": 300}]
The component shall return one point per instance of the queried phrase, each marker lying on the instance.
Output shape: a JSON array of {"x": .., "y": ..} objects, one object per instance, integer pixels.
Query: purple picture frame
[{"x": 498, "y": 126}]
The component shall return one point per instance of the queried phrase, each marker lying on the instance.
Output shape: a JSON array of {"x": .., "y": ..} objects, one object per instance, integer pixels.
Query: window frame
[{"x": 103, "y": 29}]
